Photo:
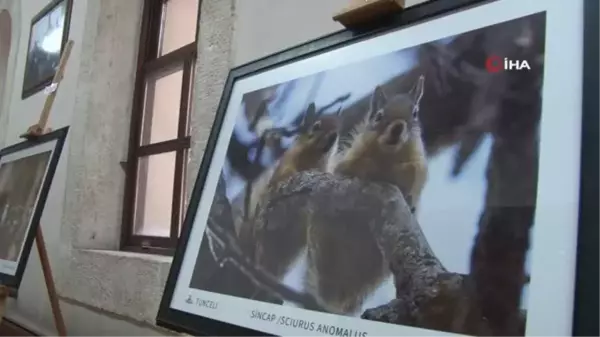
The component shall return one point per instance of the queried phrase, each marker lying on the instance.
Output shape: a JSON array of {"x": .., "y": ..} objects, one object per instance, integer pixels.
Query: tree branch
[
  {"x": 231, "y": 253},
  {"x": 338, "y": 100},
  {"x": 223, "y": 267},
  {"x": 427, "y": 295}
]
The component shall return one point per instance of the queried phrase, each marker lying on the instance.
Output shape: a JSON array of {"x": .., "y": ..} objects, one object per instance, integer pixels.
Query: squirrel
[
  {"x": 314, "y": 148},
  {"x": 388, "y": 147},
  {"x": 274, "y": 248},
  {"x": 345, "y": 262}
]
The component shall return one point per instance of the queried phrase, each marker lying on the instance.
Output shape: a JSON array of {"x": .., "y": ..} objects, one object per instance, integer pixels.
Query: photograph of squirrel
[
  {"x": 345, "y": 263},
  {"x": 274, "y": 247},
  {"x": 347, "y": 212},
  {"x": 386, "y": 148}
]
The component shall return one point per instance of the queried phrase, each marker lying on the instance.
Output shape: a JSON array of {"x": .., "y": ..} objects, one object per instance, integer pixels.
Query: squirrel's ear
[
  {"x": 260, "y": 112},
  {"x": 311, "y": 110},
  {"x": 378, "y": 100},
  {"x": 416, "y": 93},
  {"x": 310, "y": 115}
]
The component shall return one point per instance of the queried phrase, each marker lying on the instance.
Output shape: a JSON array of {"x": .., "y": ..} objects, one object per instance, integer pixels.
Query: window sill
[
  {"x": 149, "y": 257},
  {"x": 167, "y": 252},
  {"x": 124, "y": 283},
  {"x": 149, "y": 250}
]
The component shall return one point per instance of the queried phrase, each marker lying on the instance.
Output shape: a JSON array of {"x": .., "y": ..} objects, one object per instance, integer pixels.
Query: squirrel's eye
[
  {"x": 316, "y": 127},
  {"x": 378, "y": 116}
]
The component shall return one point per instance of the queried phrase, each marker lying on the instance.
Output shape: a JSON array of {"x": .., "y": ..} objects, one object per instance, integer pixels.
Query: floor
[{"x": 10, "y": 329}]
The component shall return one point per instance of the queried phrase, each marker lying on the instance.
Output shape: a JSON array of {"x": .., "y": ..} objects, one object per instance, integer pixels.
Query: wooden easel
[
  {"x": 3, "y": 297},
  {"x": 34, "y": 131},
  {"x": 365, "y": 11}
]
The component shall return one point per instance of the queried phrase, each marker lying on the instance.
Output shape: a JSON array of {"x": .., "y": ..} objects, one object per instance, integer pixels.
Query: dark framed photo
[
  {"x": 47, "y": 37},
  {"x": 422, "y": 178},
  {"x": 26, "y": 173}
]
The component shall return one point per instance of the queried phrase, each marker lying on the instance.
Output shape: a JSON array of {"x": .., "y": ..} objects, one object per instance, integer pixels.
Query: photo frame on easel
[
  {"x": 469, "y": 260},
  {"x": 48, "y": 35},
  {"x": 26, "y": 173}
]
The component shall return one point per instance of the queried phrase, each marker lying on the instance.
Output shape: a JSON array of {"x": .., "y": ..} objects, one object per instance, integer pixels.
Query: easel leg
[
  {"x": 3, "y": 297},
  {"x": 58, "y": 317}
]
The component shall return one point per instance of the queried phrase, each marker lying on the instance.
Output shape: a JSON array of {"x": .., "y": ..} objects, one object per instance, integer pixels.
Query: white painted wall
[
  {"x": 263, "y": 27},
  {"x": 232, "y": 32}
]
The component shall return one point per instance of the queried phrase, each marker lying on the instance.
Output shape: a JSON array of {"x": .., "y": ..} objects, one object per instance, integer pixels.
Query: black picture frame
[
  {"x": 41, "y": 66},
  {"x": 58, "y": 136},
  {"x": 586, "y": 293},
  {"x": 585, "y": 316}
]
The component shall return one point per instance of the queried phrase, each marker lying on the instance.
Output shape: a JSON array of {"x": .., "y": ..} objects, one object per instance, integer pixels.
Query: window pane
[
  {"x": 154, "y": 197},
  {"x": 161, "y": 106},
  {"x": 179, "y": 27}
]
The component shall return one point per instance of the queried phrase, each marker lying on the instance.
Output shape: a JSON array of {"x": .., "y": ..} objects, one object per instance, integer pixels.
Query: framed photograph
[
  {"x": 26, "y": 173},
  {"x": 422, "y": 178},
  {"x": 47, "y": 37}
]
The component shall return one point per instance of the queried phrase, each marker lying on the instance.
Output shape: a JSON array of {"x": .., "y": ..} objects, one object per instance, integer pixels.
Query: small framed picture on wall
[{"x": 47, "y": 37}]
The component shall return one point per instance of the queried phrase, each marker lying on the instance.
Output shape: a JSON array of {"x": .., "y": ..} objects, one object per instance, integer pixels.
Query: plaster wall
[
  {"x": 266, "y": 26},
  {"x": 104, "y": 291}
]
